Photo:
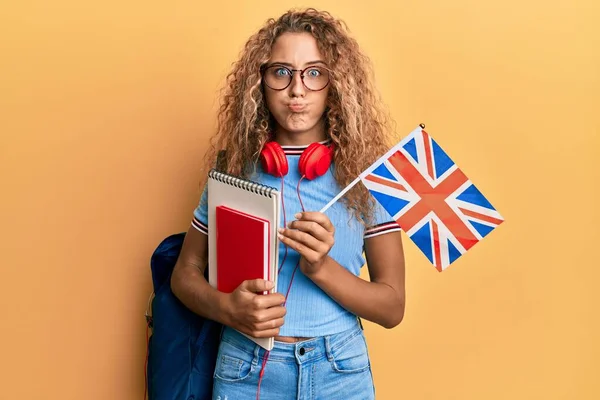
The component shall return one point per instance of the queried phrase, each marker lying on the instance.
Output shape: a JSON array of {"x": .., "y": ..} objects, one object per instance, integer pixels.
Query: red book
[{"x": 242, "y": 248}]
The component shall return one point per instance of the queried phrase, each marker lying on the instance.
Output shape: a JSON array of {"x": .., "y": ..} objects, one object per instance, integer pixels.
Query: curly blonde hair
[{"x": 355, "y": 119}]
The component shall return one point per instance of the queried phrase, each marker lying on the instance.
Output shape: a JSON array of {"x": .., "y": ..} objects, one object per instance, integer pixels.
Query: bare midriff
[{"x": 290, "y": 339}]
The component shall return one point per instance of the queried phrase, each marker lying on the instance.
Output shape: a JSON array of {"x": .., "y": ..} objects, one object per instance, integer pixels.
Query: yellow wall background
[{"x": 105, "y": 109}]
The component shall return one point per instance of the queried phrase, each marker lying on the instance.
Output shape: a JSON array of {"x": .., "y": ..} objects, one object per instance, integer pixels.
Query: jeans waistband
[{"x": 299, "y": 352}]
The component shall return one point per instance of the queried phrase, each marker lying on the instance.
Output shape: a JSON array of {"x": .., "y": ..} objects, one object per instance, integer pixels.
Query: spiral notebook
[{"x": 243, "y": 217}]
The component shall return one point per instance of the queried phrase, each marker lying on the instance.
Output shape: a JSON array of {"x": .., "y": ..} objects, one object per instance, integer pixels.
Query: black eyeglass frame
[{"x": 292, "y": 71}]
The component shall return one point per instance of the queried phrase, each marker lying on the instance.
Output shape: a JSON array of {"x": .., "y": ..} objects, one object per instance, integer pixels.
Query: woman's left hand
[{"x": 311, "y": 235}]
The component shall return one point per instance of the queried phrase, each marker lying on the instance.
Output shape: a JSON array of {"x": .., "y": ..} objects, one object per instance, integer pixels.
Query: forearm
[
  {"x": 374, "y": 301},
  {"x": 191, "y": 288}
]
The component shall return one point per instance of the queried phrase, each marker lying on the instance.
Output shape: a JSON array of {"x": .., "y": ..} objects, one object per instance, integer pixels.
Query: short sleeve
[
  {"x": 200, "y": 216},
  {"x": 382, "y": 223}
]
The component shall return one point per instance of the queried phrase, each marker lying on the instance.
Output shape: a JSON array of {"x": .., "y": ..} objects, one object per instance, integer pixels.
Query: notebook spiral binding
[{"x": 254, "y": 187}]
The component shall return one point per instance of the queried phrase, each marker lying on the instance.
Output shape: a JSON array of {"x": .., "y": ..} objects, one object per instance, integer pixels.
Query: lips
[{"x": 297, "y": 107}]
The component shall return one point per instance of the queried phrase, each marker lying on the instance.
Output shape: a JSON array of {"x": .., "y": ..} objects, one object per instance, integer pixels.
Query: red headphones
[{"x": 314, "y": 161}]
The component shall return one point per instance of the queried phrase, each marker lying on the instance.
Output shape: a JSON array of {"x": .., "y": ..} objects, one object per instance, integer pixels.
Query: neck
[{"x": 287, "y": 138}]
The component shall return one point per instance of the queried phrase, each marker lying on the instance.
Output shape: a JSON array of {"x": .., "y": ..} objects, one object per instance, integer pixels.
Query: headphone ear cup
[
  {"x": 273, "y": 159},
  {"x": 315, "y": 160},
  {"x": 282, "y": 161}
]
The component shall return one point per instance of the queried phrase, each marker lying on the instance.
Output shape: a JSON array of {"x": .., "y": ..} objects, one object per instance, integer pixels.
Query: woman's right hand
[{"x": 258, "y": 315}]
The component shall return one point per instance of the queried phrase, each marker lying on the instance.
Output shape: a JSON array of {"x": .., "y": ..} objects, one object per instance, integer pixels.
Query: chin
[
  {"x": 299, "y": 126},
  {"x": 297, "y": 131}
]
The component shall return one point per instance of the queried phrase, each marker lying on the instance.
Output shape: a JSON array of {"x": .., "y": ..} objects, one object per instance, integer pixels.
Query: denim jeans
[{"x": 328, "y": 368}]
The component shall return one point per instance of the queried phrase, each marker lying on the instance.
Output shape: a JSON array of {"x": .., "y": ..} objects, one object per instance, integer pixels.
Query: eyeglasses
[{"x": 278, "y": 77}]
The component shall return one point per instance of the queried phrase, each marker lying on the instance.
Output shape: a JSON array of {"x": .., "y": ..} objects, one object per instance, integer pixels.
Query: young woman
[{"x": 300, "y": 113}]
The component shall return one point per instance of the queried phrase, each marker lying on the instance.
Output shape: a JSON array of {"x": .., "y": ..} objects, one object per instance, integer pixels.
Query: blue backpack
[{"x": 183, "y": 348}]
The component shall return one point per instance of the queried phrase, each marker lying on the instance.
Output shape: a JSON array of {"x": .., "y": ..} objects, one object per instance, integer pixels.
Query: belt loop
[
  {"x": 256, "y": 355},
  {"x": 328, "y": 348}
]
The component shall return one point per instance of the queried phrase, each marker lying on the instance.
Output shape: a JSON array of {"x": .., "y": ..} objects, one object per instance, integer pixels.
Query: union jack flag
[{"x": 431, "y": 199}]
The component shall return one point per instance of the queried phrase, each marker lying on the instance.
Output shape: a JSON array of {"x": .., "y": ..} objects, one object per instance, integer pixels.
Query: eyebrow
[{"x": 291, "y": 66}]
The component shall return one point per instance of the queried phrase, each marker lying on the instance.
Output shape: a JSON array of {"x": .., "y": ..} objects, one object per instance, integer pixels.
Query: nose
[{"x": 297, "y": 88}]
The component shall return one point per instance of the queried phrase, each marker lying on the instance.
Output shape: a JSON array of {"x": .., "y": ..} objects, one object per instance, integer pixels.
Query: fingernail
[
  {"x": 280, "y": 230},
  {"x": 280, "y": 237},
  {"x": 298, "y": 216}
]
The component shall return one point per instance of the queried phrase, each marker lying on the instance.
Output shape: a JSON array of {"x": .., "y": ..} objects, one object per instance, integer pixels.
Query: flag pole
[{"x": 365, "y": 173}]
